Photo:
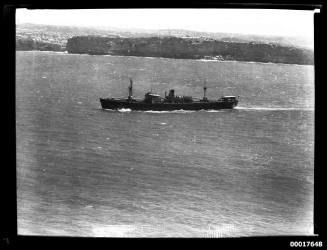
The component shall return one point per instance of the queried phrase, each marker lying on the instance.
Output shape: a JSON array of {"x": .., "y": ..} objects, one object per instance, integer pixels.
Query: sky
[{"x": 244, "y": 21}]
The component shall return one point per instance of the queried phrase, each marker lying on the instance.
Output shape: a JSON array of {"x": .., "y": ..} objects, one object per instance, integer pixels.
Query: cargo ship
[{"x": 155, "y": 102}]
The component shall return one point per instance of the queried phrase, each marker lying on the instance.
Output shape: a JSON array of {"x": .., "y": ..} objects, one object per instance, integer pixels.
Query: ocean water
[{"x": 84, "y": 171}]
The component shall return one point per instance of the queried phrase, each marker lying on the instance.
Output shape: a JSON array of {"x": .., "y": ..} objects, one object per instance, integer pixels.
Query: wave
[
  {"x": 250, "y": 62},
  {"x": 113, "y": 230},
  {"x": 46, "y": 51},
  {"x": 164, "y": 58}
]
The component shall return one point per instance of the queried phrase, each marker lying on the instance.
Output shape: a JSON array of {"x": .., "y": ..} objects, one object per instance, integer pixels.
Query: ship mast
[
  {"x": 130, "y": 89},
  {"x": 205, "y": 92}
]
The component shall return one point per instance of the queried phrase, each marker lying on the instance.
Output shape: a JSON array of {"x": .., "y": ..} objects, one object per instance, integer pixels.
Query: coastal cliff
[
  {"x": 189, "y": 48},
  {"x": 32, "y": 44},
  {"x": 165, "y": 43}
]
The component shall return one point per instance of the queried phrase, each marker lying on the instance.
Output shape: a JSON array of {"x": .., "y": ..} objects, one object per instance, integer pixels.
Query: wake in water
[
  {"x": 124, "y": 110},
  {"x": 116, "y": 110},
  {"x": 273, "y": 108},
  {"x": 181, "y": 111}
]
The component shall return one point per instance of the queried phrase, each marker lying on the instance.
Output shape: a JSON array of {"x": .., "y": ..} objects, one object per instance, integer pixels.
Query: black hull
[{"x": 140, "y": 105}]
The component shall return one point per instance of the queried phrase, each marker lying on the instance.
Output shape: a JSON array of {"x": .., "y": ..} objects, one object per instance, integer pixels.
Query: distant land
[{"x": 164, "y": 43}]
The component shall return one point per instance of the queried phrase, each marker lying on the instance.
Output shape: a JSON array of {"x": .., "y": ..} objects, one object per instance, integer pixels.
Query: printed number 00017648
[{"x": 306, "y": 243}]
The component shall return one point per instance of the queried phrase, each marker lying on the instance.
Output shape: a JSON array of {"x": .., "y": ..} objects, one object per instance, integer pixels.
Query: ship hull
[{"x": 140, "y": 105}]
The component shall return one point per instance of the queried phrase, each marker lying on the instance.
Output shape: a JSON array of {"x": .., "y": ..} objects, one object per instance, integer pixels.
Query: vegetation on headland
[
  {"x": 164, "y": 43},
  {"x": 188, "y": 48}
]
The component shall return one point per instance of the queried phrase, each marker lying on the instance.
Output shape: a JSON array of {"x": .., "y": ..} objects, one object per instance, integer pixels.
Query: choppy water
[{"x": 83, "y": 171}]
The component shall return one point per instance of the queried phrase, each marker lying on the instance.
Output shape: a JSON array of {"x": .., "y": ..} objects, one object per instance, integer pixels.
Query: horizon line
[{"x": 153, "y": 30}]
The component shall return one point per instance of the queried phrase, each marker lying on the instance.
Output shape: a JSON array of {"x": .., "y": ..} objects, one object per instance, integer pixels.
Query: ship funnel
[{"x": 171, "y": 93}]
